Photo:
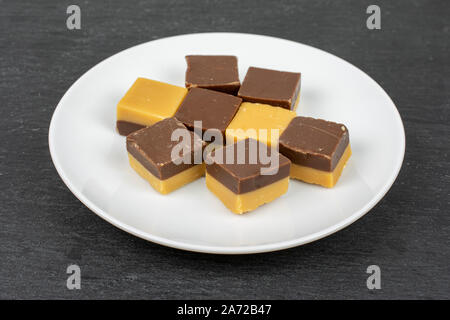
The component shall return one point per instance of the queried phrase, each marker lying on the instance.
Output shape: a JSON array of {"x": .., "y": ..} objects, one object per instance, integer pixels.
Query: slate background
[{"x": 44, "y": 228}]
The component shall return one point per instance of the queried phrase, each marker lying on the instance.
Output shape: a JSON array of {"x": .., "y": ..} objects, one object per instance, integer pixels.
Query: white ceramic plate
[{"x": 92, "y": 161}]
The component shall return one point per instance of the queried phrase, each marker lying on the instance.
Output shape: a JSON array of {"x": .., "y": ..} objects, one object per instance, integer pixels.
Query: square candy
[
  {"x": 318, "y": 150},
  {"x": 241, "y": 185},
  {"x": 214, "y": 109},
  {"x": 218, "y": 73},
  {"x": 150, "y": 155},
  {"x": 276, "y": 88},
  {"x": 252, "y": 117},
  {"x": 147, "y": 102}
]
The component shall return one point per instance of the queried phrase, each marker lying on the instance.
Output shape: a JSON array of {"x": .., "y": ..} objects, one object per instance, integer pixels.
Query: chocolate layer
[
  {"x": 152, "y": 147},
  {"x": 245, "y": 177},
  {"x": 214, "y": 109},
  {"x": 218, "y": 73},
  {"x": 277, "y": 88},
  {"x": 314, "y": 143},
  {"x": 125, "y": 128}
]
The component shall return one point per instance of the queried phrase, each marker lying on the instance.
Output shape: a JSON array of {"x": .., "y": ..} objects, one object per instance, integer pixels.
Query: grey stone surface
[{"x": 44, "y": 228}]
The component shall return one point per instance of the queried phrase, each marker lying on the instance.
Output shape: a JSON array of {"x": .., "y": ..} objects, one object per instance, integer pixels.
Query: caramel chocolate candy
[
  {"x": 242, "y": 180},
  {"x": 218, "y": 73},
  {"x": 318, "y": 149},
  {"x": 214, "y": 109},
  {"x": 277, "y": 88},
  {"x": 147, "y": 102},
  {"x": 259, "y": 121},
  {"x": 150, "y": 155}
]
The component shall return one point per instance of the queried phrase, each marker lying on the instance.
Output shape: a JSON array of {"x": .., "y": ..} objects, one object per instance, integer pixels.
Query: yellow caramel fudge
[
  {"x": 150, "y": 155},
  {"x": 170, "y": 184},
  {"x": 326, "y": 179},
  {"x": 258, "y": 121},
  {"x": 147, "y": 102},
  {"x": 318, "y": 150},
  {"x": 241, "y": 203},
  {"x": 244, "y": 184}
]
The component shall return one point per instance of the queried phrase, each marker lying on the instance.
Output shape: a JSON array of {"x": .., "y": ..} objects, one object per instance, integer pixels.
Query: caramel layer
[
  {"x": 245, "y": 202},
  {"x": 326, "y": 179},
  {"x": 172, "y": 183}
]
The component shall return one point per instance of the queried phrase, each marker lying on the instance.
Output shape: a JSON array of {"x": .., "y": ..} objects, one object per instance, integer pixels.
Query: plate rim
[{"x": 178, "y": 244}]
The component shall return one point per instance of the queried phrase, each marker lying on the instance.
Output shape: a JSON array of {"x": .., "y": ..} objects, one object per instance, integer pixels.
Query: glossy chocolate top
[
  {"x": 214, "y": 109},
  {"x": 314, "y": 143},
  {"x": 277, "y": 88},
  {"x": 245, "y": 176},
  {"x": 213, "y": 72},
  {"x": 152, "y": 147}
]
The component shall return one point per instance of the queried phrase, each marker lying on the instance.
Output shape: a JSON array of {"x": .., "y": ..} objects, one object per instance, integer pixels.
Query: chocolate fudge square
[
  {"x": 276, "y": 88},
  {"x": 318, "y": 149},
  {"x": 241, "y": 184},
  {"x": 218, "y": 73},
  {"x": 214, "y": 109},
  {"x": 150, "y": 155}
]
